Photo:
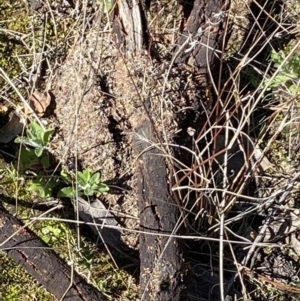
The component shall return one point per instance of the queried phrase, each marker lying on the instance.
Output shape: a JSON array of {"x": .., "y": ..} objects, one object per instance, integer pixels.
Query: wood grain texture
[{"x": 39, "y": 260}]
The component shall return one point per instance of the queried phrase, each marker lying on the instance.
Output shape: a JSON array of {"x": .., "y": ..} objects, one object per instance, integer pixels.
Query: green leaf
[
  {"x": 103, "y": 188},
  {"x": 95, "y": 179},
  {"x": 89, "y": 191},
  {"x": 66, "y": 177},
  {"x": 81, "y": 179},
  {"x": 36, "y": 136},
  {"x": 26, "y": 141},
  {"x": 87, "y": 174},
  {"x": 47, "y": 135},
  {"x": 88, "y": 184},
  {"x": 46, "y": 230},
  {"x": 84, "y": 177},
  {"x": 294, "y": 89},
  {"x": 35, "y": 130},
  {"x": 277, "y": 57},
  {"x": 46, "y": 238},
  {"x": 56, "y": 231},
  {"x": 296, "y": 66},
  {"x": 45, "y": 160},
  {"x": 35, "y": 127},
  {"x": 67, "y": 192},
  {"x": 28, "y": 158},
  {"x": 42, "y": 186},
  {"x": 38, "y": 152},
  {"x": 18, "y": 140}
]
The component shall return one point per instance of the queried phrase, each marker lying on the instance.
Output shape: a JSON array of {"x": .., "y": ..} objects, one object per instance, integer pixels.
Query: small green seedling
[
  {"x": 51, "y": 233},
  {"x": 36, "y": 137},
  {"x": 88, "y": 183},
  {"x": 29, "y": 160},
  {"x": 43, "y": 186},
  {"x": 33, "y": 158},
  {"x": 289, "y": 73}
]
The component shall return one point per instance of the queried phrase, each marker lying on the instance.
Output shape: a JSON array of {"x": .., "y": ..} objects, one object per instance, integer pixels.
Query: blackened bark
[
  {"x": 204, "y": 26},
  {"x": 39, "y": 260},
  {"x": 162, "y": 277},
  {"x": 161, "y": 260}
]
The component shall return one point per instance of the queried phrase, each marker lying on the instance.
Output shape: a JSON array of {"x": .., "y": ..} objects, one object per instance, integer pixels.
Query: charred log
[
  {"x": 39, "y": 260},
  {"x": 161, "y": 258}
]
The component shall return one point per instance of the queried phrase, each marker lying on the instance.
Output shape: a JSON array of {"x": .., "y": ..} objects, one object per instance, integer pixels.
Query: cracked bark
[
  {"x": 39, "y": 260},
  {"x": 161, "y": 260},
  {"x": 162, "y": 273}
]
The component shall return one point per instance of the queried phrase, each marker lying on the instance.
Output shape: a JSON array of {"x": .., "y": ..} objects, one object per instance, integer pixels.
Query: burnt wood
[
  {"x": 162, "y": 268},
  {"x": 204, "y": 28},
  {"x": 161, "y": 258},
  {"x": 39, "y": 260}
]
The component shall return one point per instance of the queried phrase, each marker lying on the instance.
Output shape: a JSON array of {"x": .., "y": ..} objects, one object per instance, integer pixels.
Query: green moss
[
  {"x": 14, "y": 28},
  {"x": 12, "y": 184},
  {"x": 24, "y": 32},
  {"x": 17, "y": 284}
]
